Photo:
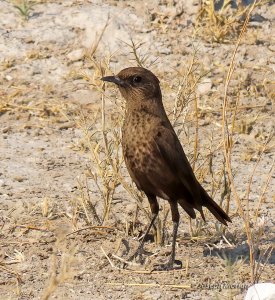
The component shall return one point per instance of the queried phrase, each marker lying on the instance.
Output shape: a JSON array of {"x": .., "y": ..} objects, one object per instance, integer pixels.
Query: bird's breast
[{"x": 137, "y": 143}]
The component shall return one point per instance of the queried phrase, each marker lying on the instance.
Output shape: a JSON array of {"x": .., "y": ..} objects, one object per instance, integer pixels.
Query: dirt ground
[{"x": 51, "y": 246}]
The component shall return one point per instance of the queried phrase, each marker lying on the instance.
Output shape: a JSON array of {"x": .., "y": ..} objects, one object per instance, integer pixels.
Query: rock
[
  {"x": 261, "y": 291},
  {"x": 165, "y": 50},
  {"x": 152, "y": 295},
  {"x": 19, "y": 178},
  {"x": 6, "y": 129},
  {"x": 76, "y": 55},
  {"x": 9, "y": 78},
  {"x": 205, "y": 86}
]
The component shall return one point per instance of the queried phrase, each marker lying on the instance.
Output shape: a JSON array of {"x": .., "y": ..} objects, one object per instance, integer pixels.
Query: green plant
[{"x": 24, "y": 7}]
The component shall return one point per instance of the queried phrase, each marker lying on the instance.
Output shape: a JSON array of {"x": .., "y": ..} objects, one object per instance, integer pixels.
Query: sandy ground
[{"x": 47, "y": 245}]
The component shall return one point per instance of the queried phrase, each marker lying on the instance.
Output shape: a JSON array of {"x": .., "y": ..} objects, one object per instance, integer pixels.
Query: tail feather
[
  {"x": 214, "y": 208},
  {"x": 187, "y": 207},
  {"x": 201, "y": 212}
]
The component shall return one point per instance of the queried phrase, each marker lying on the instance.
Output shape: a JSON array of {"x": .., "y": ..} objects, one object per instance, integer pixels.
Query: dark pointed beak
[{"x": 114, "y": 79}]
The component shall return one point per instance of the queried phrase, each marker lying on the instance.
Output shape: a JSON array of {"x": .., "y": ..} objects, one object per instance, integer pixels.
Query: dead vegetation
[
  {"x": 222, "y": 21},
  {"x": 211, "y": 155},
  {"x": 107, "y": 170}
]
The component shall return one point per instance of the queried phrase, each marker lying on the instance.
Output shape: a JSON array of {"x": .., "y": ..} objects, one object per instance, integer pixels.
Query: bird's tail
[{"x": 214, "y": 208}]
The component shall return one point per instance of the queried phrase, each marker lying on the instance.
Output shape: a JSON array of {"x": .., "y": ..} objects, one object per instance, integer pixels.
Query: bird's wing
[
  {"x": 162, "y": 169},
  {"x": 173, "y": 159}
]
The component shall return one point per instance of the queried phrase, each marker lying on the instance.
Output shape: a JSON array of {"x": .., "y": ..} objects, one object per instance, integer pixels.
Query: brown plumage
[{"x": 153, "y": 154}]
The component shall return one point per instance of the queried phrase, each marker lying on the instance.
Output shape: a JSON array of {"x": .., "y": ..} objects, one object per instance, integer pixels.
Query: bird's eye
[{"x": 137, "y": 79}]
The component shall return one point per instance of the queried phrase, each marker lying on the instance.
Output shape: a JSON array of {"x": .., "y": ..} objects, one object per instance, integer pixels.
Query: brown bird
[{"x": 154, "y": 156}]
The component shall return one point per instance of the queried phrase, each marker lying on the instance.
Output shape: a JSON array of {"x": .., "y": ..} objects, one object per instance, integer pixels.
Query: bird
[{"x": 154, "y": 156}]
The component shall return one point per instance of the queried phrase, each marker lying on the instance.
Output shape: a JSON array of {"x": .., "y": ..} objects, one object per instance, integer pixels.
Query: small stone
[
  {"x": 76, "y": 55},
  {"x": 265, "y": 290},
  {"x": 205, "y": 86},
  {"x": 19, "y": 178},
  {"x": 6, "y": 129},
  {"x": 9, "y": 78},
  {"x": 165, "y": 51}
]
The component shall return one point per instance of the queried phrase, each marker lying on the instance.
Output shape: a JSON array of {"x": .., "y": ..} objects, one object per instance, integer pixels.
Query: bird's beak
[{"x": 114, "y": 79}]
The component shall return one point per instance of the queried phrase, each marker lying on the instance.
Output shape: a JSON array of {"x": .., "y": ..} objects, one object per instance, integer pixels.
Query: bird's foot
[{"x": 170, "y": 265}]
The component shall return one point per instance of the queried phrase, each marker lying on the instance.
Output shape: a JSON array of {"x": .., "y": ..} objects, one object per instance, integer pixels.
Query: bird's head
[{"x": 136, "y": 84}]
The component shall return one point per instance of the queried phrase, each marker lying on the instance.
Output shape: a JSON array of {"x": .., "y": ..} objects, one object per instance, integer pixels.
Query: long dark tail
[{"x": 214, "y": 208}]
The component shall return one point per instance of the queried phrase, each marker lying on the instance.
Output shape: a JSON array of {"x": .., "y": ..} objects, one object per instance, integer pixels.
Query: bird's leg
[
  {"x": 154, "y": 209},
  {"x": 171, "y": 261},
  {"x": 175, "y": 217}
]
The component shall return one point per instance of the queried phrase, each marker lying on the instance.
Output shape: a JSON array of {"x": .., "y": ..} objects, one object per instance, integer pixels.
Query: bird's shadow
[
  {"x": 238, "y": 252},
  {"x": 126, "y": 251}
]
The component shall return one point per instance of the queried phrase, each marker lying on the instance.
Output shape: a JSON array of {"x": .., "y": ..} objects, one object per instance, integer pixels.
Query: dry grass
[
  {"x": 18, "y": 102},
  {"x": 106, "y": 178},
  {"x": 246, "y": 212},
  {"x": 62, "y": 270},
  {"x": 107, "y": 170},
  {"x": 222, "y": 24},
  {"x": 102, "y": 140}
]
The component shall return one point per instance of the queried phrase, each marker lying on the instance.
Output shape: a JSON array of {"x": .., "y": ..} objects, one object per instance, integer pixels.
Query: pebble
[
  {"x": 9, "y": 78},
  {"x": 76, "y": 55},
  {"x": 6, "y": 129},
  {"x": 205, "y": 86},
  {"x": 262, "y": 291}
]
